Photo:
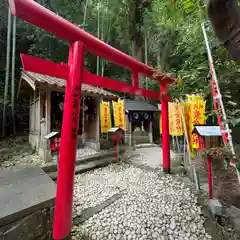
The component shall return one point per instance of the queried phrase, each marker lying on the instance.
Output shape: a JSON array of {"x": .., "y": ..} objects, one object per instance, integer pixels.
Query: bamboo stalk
[
  {"x": 85, "y": 13},
  {"x": 98, "y": 35},
  {"x": 102, "y": 38}
]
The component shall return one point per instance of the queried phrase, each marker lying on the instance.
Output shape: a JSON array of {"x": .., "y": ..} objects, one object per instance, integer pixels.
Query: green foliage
[{"x": 174, "y": 39}]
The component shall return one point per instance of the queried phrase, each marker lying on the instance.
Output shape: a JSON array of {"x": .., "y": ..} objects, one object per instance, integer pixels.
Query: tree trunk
[
  {"x": 225, "y": 19},
  {"x": 107, "y": 37},
  {"x": 137, "y": 53}
]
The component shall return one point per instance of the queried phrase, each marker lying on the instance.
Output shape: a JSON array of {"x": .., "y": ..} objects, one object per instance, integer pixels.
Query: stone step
[
  {"x": 87, "y": 166},
  {"x": 91, "y": 211},
  {"x": 27, "y": 203},
  {"x": 52, "y": 167}
]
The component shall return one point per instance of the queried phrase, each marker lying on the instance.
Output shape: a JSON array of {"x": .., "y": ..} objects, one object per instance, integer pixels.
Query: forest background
[{"x": 165, "y": 34}]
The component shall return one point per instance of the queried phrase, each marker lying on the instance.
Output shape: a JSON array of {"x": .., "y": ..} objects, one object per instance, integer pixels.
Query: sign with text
[
  {"x": 175, "y": 121},
  {"x": 196, "y": 116},
  {"x": 105, "y": 117},
  {"x": 119, "y": 114}
]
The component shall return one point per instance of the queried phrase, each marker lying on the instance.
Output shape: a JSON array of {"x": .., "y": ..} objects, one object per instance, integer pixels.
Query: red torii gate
[{"x": 75, "y": 75}]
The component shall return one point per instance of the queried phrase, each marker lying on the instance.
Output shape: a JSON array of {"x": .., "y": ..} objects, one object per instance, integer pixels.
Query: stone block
[
  {"x": 234, "y": 217},
  {"x": 51, "y": 215},
  {"x": 45, "y": 154},
  {"x": 216, "y": 207},
  {"x": 93, "y": 144},
  {"x": 24, "y": 191},
  {"x": 29, "y": 227}
]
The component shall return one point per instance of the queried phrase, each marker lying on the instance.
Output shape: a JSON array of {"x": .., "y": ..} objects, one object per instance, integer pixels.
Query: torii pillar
[{"x": 166, "y": 162}]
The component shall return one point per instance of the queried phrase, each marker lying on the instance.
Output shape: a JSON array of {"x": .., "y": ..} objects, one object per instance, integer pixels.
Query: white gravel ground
[{"x": 152, "y": 207}]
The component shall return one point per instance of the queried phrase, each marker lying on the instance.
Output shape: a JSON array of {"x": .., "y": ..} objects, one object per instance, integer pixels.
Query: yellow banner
[
  {"x": 175, "y": 122},
  {"x": 119, "y": 114},
  {"x": 105, "y": 117},
  {"x": 171, "y": 118},
  {"x": 191, "y": 98},
  {"x": 197, "y": 117},
  {"x": 176, "y": 119},
  {"x": 187, "y": 117},
  {"x": 194, "y": 110}
]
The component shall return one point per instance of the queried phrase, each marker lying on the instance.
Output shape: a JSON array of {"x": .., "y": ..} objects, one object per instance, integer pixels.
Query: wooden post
[
  {"x": 40, "y": 117},
  {"x": 210, "y": 184},
  {"x": 130, "y": 134},
  {"x": 48, "y": 112},
  {"x": 47, "y": 127},
  {"x": 117, "y": 151},
  {"x": 83, "y": 120},
  {"x": 126, "y": 124},
  {"x": 34, "y": 111},
  {"x": 98, "y": 128},
  {"x": 150, "y": 134}
]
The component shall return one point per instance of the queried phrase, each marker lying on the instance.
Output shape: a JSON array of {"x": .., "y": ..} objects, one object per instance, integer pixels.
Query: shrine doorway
[{"x": 139, "y": 121}]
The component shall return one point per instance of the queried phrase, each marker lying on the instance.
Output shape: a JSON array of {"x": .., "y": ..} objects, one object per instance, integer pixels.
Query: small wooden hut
[{"x": 46, "y": 96}]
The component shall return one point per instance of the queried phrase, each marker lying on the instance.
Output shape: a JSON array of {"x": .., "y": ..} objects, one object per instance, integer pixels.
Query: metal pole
[
  {"x": 7, "y": 70},
  {"x": 165, "y": 133},
  {"x": 68, "y": 147},
  {"x": 218, "y": 89}
]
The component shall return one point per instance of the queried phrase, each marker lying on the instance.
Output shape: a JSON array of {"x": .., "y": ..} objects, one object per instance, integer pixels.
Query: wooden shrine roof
[
  {"x": 138, "y": 105},
  {"x": 58, "y": 84}
]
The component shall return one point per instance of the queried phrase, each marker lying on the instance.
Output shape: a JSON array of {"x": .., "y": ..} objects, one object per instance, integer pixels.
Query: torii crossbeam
[{"x": 75, "y": 75}]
